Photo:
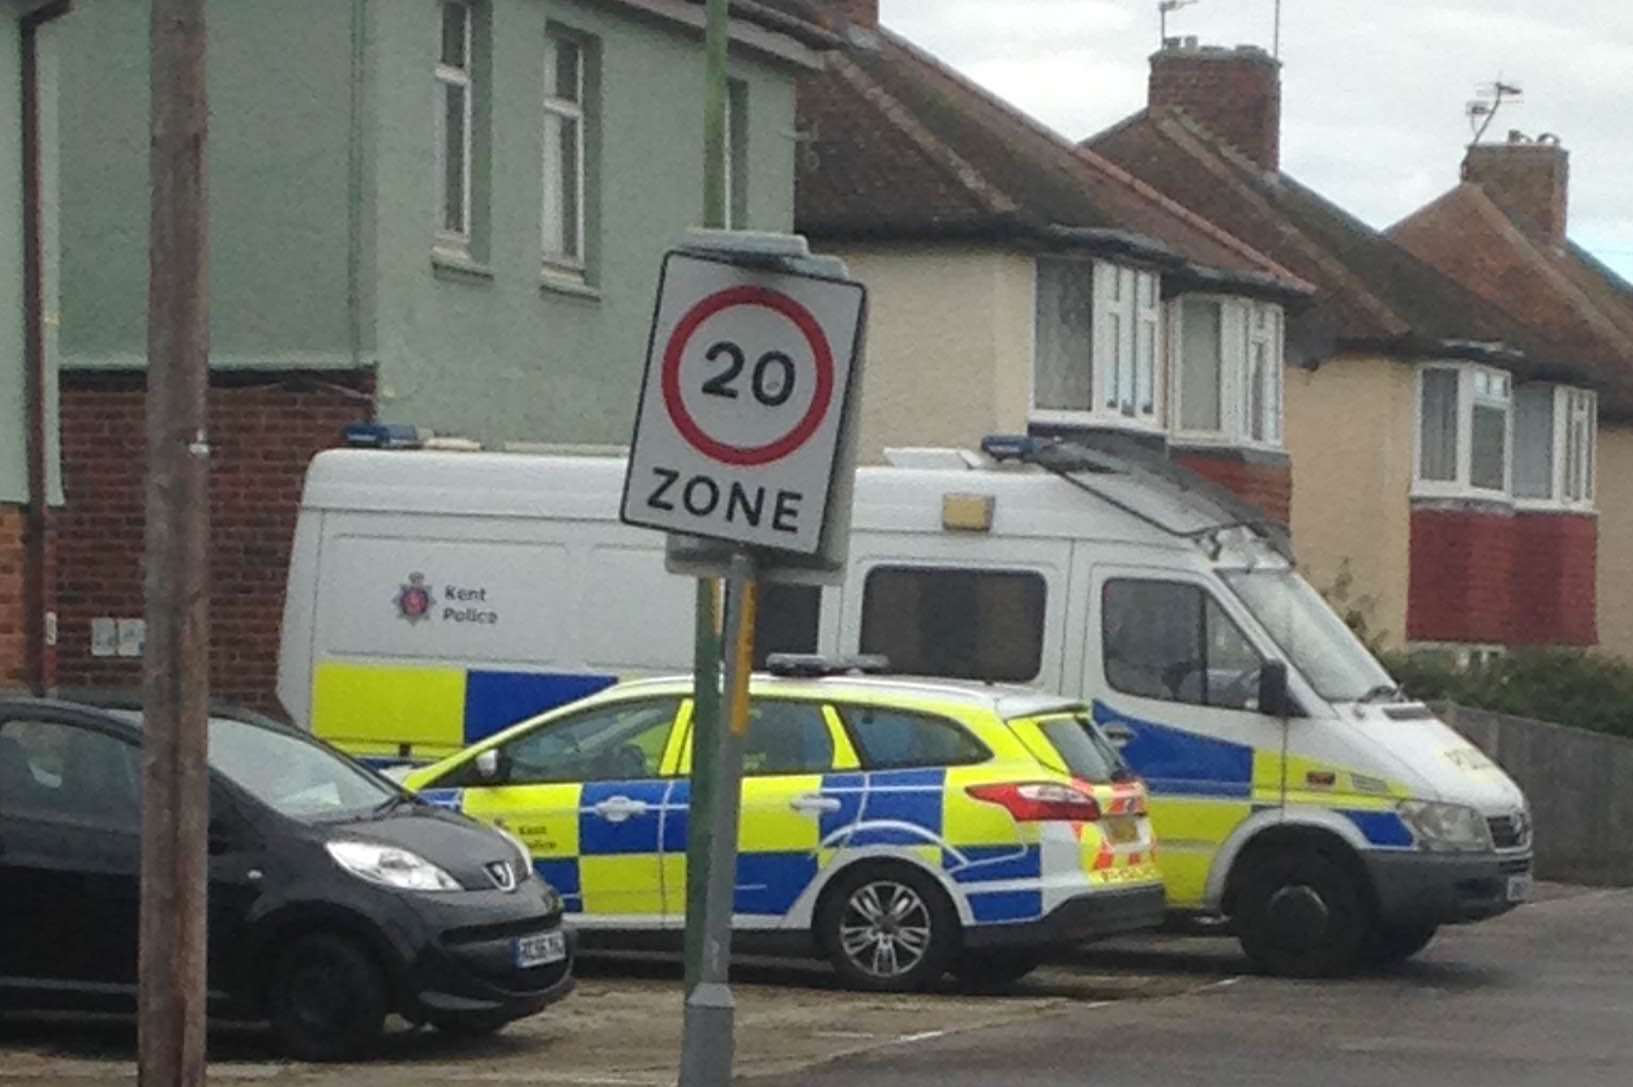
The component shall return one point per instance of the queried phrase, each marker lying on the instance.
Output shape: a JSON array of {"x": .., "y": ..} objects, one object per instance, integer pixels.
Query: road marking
[{"x": 922, "y": 1036}]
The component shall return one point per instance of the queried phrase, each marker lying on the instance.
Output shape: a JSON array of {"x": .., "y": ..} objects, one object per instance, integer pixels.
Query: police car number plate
[
  {"x": 1520, "y": 888},
  {"x": 1122, "y": 831},
  {"x": 537, "y": 950}
]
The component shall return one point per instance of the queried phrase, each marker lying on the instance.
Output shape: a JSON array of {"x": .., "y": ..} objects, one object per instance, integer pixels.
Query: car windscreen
[
  {"x": 291, "y": 775},
  {"x": 1086, "y": 755}
]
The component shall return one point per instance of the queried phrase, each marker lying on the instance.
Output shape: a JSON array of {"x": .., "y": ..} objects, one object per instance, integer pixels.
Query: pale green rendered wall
[
  {"x": 279, "y": 77},
  {"x": 503, "y": 358},
  {"x": 13, "y": 385}
]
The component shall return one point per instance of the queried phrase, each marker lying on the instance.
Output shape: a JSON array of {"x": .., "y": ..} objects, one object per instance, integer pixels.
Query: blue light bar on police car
[{"x": 1010, "y": 446}]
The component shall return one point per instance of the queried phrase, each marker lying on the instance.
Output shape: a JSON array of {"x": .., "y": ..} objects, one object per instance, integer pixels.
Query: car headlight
[
  {"x": 524, "y": 855},
  {"x": 1446, "y": 826},
  {"x": 390, "y": 866}
]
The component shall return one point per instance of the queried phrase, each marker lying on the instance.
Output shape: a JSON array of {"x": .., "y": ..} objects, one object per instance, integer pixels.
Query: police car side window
[
  {"x": 897, "y": 740},
  {"x": 1171, "y": 641},
  {"x": 609, "y": 743},
  {"x": 787, "y": 737}
]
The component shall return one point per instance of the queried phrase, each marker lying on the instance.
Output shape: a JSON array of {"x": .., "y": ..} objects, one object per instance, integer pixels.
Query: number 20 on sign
[{"x": 739, "y": 425}]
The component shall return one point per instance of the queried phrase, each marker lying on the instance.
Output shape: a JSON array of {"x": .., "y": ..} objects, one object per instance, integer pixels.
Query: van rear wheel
[
  {"x": 1301, "y": 914},
  {"x": 887, "y": 928}
]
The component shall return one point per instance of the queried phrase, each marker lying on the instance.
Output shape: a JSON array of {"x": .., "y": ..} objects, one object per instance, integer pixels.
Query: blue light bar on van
[
  {"x": 384, "y": 436},
  {"x": 1011, "y": 446}
]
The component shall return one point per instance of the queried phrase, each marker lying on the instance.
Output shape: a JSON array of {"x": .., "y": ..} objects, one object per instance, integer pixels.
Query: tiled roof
[
  {"x": 1373, "y": 292},
  {"x": 900, "y": 147},
  {"x": 1580, "y": 311}
]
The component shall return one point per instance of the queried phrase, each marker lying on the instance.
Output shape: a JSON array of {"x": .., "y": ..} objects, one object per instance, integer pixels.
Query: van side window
[
  {"x": 973, "y": 624},
  {"x": 1172, "y": 641},
  {"x": 786, "y": 621},
  {"x": 897, "y": 740}
]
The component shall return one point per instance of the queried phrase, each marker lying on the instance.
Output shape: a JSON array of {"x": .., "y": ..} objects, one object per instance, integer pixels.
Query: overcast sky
[{"x": 1373, "y": 91}]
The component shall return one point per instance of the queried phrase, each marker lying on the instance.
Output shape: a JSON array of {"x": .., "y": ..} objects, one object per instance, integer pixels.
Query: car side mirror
[
  {"x": 1274, "y": 700},
  {"x": 489, "y": 766}
]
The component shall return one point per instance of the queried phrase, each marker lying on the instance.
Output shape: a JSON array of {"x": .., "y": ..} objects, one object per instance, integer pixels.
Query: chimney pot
[{"x": 1235, "y": 93}]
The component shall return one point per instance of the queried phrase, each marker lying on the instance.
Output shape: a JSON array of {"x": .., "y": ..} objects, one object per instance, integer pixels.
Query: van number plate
[
  {"x": 1122, "y": 831},
  {"x": 545, "y": 947},
  {"x": 1520, "y": 888}
]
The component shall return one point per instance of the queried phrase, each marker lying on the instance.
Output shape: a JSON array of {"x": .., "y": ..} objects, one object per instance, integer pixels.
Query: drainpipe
[{"x": 35, "y": 566}]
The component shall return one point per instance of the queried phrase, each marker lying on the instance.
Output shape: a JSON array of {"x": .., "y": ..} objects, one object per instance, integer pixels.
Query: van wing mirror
[{"x": 1274, "y": 700}]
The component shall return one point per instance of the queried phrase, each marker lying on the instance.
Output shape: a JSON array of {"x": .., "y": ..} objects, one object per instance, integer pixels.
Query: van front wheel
[{"x": 1300, "y": 914}]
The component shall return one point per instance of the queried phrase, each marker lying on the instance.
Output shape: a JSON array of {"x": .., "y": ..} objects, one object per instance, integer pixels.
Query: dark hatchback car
[{"x": 335, "y": 898}]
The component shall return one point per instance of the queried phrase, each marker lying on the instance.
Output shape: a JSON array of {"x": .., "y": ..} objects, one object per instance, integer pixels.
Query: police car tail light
[{"x": 1041, "y": 801}]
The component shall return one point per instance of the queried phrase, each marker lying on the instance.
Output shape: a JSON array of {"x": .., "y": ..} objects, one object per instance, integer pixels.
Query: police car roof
[{"x": 1005, "y": 700}]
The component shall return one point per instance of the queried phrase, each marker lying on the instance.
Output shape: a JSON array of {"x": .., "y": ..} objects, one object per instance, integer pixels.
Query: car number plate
[
  {"x": 545, "y": 947},
  {"x": 1520, "y": 888},
  {"x": 1123, "y": 831}
]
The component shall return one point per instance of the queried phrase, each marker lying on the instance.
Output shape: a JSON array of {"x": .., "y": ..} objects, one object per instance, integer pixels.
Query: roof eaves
[{"x": 774, "y": 34}]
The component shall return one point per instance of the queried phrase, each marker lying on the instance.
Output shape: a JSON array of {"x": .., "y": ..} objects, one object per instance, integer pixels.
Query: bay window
[
  {"x": 1465, "y": 419},
  {"x": 1555, "y": 428},
  {"x": 1098, "y": 338},
  {"x": 1227, "y": 358}
]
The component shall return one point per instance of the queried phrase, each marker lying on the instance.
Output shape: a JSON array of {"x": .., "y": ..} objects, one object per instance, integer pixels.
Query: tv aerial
[{"x": 1488, "y": 100}]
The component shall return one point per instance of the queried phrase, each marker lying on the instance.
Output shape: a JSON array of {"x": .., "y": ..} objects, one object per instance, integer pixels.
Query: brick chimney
[
  {"x": 1236, "y": 93},
  {"x": 1528, "y": 179}
]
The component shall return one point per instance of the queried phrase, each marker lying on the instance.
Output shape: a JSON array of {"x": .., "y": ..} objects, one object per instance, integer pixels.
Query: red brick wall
[
  {"x": 1269, "y": 486},
  {"x": 264, "y": 428},
  {"x": 1461, "y": 576},
  {"x": 1529, "y": 181},
  {"x": 1555, "y": 592},
  {"x": 1503, "y": 578},
  {"x": 1236, "y": 93},
  {"x": 13, "y": 649}
]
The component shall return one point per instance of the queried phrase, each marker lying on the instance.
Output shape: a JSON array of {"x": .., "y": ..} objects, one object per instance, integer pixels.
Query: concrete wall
[
  {"x": 498, "y": 354},
  {"x": 1349, "y": 433},
  {"x": 1578, "y": 785},
  {"x": 1615, "y": 502},
  {"x": 279, "y": 136},
  {"x": 950, "y": 334}
]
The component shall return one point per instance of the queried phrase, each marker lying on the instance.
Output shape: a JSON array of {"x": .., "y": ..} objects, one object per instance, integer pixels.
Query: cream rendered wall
[
  {"x": 1349, "y": 433},
  {"x": 949, "y": 344},
  {"x": 1615, "y": 501}
]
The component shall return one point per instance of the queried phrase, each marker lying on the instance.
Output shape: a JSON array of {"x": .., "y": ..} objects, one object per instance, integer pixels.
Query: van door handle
[
  {"x": 813, "y": 804},
  {"x": 1119, "y": 735},
  {"x": 617, "y": 809}
]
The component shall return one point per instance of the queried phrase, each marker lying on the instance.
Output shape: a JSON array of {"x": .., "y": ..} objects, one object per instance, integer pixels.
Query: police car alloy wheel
[{"x": 887, "y": 928}]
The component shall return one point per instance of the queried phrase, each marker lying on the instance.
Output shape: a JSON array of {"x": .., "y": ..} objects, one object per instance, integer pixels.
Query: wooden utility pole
[{"x": 175, "y": 681}]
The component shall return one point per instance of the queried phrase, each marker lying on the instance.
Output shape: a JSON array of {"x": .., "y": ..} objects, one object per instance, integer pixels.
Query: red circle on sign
[{"x": 747, "y": 456}]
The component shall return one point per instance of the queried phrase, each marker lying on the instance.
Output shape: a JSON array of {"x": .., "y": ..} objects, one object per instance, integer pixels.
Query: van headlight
[
  {"x": 1446, "y": 827},
  {"x": 390, "y": 866}
]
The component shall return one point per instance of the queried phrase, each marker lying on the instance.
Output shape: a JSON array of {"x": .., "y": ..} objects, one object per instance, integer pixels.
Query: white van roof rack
[{"x": 1078, "y": 463}]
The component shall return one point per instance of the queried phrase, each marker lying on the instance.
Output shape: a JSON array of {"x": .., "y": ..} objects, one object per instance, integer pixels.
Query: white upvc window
[
  {"x": 1227, "y": 366},
  {"x": 736, "y": 155},
  {"x": 1555, "y": 430},
  {"x": 455, "y": 90},
  {"x": 1098, "y": 339},
  {"x": 562, "y": 239},
  {"x": 1464, "y": 432}
]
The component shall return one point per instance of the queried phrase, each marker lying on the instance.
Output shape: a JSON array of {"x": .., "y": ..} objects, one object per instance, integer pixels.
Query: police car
[{"x": 902, "y": 828}]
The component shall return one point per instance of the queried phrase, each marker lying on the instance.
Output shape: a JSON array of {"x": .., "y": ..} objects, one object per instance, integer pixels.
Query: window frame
[
  {"x": 464, "y": 77},
  {"x": 1572, "y": 406},
  {"x": 565, "y": 111},
  {"x": 1126, "y": 303},
  {"x": 736, "y": 175},
  {"x": 1469, "y": 396},
  {"x": 1244, "y": 323}
]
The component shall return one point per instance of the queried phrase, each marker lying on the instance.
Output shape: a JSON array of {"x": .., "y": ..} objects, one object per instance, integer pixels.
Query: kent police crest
[{"x": 414, "y": 600}]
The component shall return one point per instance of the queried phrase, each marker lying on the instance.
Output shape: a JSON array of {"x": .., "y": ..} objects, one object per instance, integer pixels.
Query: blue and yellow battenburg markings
[
  {"x": 1203, "y": 788},
  {"x": 636, "y": 866},
  {"x": 389, "y": 713}
]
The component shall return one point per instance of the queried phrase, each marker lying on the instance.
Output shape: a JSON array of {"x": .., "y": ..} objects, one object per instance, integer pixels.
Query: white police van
[{"x": 435, "y": 598}]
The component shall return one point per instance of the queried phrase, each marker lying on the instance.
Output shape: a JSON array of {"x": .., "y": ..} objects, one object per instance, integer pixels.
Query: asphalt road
[{"x": 1541, "y": 996}]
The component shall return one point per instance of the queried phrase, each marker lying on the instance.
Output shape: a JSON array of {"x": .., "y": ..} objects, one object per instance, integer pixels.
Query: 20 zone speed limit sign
[{"x": 739, "y": 423}]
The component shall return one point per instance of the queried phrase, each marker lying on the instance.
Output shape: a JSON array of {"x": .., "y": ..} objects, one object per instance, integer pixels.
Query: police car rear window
[
  {"x": 894, "y": 740},
  {"x": 971, "y": 624},
  {"x": 1084, "y": 753}
]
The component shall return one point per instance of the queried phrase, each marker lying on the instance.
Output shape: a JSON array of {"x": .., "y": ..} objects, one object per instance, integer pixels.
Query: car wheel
[
  {"x": 327, "y": 999},
  {"x": 994, "y": 971},
  {"x": 887, "y": 928},
  {"x": 1389, "y": 944},
  {"x": 1300, "y": 914},
  {"x": 476, "y": 1025}
]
